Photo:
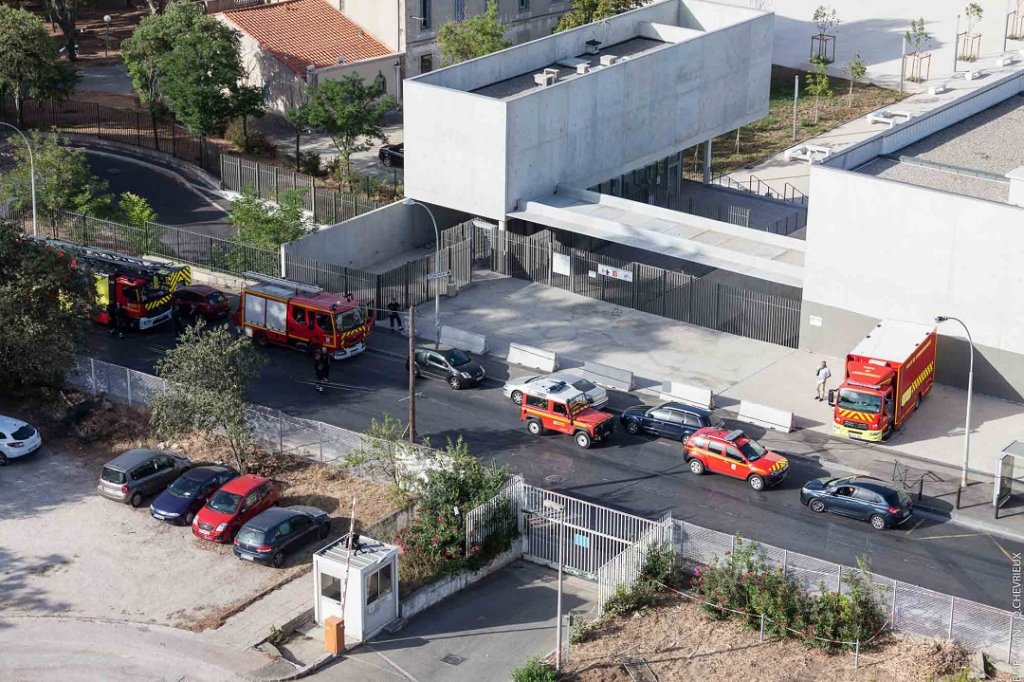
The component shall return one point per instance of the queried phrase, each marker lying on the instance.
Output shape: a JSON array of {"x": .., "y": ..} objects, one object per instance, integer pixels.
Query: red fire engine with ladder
[
  {"x": 302, "y": 316},
  {"x": 133, "y": 291}
]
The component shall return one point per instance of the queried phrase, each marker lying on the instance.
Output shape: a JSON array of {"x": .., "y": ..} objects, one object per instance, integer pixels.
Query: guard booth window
[
  {"x": 330, "y": 587},
  {"x": 378, "y": 585}
]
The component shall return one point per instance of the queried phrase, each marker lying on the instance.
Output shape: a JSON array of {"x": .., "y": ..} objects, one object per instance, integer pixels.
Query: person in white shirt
[{"x": 824, "y": 373}]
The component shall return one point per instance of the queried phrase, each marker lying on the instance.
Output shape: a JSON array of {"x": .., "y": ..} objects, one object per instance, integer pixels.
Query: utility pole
[
  {"x": 412, "y": 375},
  {"x": 796, "y": 98}
]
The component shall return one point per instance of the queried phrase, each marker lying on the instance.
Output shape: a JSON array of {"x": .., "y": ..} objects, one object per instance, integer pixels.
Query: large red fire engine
[
  {"x": 131, "y": 292},
  {"x": 887, "y": 375},
  {"x": 279, "y": 311}
]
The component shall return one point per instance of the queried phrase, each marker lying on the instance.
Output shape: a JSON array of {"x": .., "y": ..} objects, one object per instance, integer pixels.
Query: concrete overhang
[{"x": 715, "y": 244}]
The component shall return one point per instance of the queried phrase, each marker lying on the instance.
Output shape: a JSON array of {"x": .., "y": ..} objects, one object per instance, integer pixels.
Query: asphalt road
[{"x": 641, "y": 475}]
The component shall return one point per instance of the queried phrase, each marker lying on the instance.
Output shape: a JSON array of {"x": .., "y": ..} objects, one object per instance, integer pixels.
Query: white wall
[
  {"x": 368, "y": 69},
  {"x": 380, "y": 18}
]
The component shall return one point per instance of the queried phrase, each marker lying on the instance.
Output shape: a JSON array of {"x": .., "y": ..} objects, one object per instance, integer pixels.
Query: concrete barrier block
[
  {"x": 768, "y": 417},
  {"x": 684, "y": 393},
  {"x": 460, "y": 338},
  {"x": 528, "y": 356},
  {"x": 607, "y": 376}
]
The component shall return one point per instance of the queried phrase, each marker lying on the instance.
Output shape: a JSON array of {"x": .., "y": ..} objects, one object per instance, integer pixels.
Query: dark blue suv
[
  {"x": 270, "y": 535},
  {"x": 859, "y": 497},
  {"x": 677, "y": 421},
  {"x": 183, "y": 499}
]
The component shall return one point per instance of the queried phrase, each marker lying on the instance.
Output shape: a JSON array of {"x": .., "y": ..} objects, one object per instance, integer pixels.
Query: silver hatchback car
[{"x": 134, "y": 474}]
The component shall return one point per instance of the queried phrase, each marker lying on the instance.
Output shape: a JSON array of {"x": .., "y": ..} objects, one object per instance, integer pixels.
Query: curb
[{"x": 300, "y": 672}]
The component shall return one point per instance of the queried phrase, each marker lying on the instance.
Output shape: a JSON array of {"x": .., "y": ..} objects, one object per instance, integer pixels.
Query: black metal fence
[{"x": 650, "y": 289}]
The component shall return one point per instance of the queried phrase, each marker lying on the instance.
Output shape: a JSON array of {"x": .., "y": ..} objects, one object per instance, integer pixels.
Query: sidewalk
[
  {"x": 282, "y": 608},
  {"x": 735, "y": 368}
]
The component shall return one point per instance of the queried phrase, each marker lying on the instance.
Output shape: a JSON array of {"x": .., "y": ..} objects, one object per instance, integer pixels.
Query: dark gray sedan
[{"x": 269, "y": 536}]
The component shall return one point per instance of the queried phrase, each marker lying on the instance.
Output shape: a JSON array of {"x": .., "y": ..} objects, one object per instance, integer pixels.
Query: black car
[
  {"x": 859, "y": 497},
  {"x": 671, "y": 420},
  {"x": 270, "y": 535},
  {"x": 392, "y": 155},
  {"x": 451, "y": 364},
  {"x": 183, "y": 499}
]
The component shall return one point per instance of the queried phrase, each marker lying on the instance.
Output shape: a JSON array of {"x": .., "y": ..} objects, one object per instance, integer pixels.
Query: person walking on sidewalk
[
  {"x": 824, "y": 373},
  {"x": 321, "y": 367},
  {"x": 393, "y": 314}
]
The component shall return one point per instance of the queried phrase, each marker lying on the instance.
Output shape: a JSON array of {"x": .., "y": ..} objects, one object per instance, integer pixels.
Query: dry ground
[{"x": 679, "y": 642}]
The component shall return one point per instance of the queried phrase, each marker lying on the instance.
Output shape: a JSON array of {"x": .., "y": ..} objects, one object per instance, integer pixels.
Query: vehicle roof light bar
[{"x": 285, "y": 283}]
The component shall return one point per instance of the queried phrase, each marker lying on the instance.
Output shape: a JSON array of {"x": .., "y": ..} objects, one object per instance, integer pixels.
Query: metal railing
[{"x": 500, "y": 513}]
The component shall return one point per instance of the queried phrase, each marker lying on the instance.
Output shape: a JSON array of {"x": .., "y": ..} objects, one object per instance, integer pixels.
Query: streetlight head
[
  {"x": 939, "y": 319},
  {"x": 408, "y": 202}
]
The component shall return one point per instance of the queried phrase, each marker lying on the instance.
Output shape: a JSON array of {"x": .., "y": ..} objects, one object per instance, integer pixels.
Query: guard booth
[
  {"x": 1009, "y": 476},
  {"x": 370, "y": 600}
]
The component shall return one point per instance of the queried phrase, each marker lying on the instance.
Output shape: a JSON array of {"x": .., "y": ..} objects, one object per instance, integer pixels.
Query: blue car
[
  {"x": 269, "y": 536},
  {"x": 183, "y": 499},
  {"x": 859, "y": 497}
]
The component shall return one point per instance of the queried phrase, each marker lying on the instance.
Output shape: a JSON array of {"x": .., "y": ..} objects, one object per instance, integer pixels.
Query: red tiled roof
[{"x": 303, "y": 32}]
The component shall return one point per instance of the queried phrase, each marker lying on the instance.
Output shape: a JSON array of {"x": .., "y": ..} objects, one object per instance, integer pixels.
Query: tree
[
  {"x": 474, "y": 37},
  {"x": 350, "y": 112},
  {"x": 63, "y": 179},
  {"x": 585, "y": 12},
  {"x": 30, "y": 67},
  {"x": 825, "y": 18},
  {"x": 157, "y": 6},
  {"x": 973, "y": 12},
  {"x": 136, "y": 212},
  {"x": 208, "y": 376},
  {"x": 261, "y": 223},
  {"x": 45, "y": 305},
  {"x": 819, "y": 85},
  {"x": 246, "y": 101},
  {"x": 383, "y": 452},
  {"x": 917, "y": 36},
  {"x": 65, "y": 14},
  {"x": 855, "y": 70},
  {"x": 150, "y": 42}
]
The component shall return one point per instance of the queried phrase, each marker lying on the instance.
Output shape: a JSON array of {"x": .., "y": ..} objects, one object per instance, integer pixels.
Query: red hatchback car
[
  {"x": 200, "y": 301},
  {"x": 236, "y": 502}
]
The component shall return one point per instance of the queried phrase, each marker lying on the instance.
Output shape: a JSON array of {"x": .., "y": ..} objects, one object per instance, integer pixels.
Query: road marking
[
  {"x": 417, "y": 394},
  {"x": 346, "y": 387},
  {"x": 919, "y": 522},
  {"x": 947, "y": 537},
  {"x": 1001, "y": 549}
]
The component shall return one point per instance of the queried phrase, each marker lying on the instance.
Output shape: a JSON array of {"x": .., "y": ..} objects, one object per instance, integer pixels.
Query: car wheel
[
  {"x": 756, "y": 482},
  {"x": 817, "y": 506},
  {"x": 878, "y": 522},
  {"x": 534, "y": 427},
  {"x": 582, "y": 439},
  {"x": 386, "y": 160},
  {"x": 189, "y": 518},
  {"x": 633, "y": 426},
  {"x": 696, "y": 467},
  {"x": 325, "y": 530},
  {"x": 454, "y": 383},
  {"x": 260, "y": 339},
  {"x": 278, "y": 560},
  {"x": 517, "y": 397},
  {"x": 3, "y": 459},
  {"x": 135, "y": 500}
]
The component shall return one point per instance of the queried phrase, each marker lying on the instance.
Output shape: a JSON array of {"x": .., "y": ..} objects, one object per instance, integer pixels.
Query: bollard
[
  {"x": 895, "y": 588},
  {"x": 856, "y": 655},
  {"x": 761, "y": 639}
]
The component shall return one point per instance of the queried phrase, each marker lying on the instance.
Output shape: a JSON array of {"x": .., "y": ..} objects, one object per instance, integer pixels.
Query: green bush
[
  {"x": 661, "y": 567},
  {"x": 534, "y": 670},
  {"x": 583, "y": 631},
  {"x": 253, "y": 143},
  {"x": 631, "y": 600}
]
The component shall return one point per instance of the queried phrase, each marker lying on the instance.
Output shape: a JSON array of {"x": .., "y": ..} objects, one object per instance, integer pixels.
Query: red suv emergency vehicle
[
  {"x": 557, "y": 406},
  {"x": 302, "y": 316},
  {"x": 734, "y": 454}
]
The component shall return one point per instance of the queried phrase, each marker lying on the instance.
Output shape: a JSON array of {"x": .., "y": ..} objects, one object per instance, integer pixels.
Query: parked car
[
  {"x": 734, "y": 454},
  {"x": 134, "y": 474},
  {"x": 270, "y": 536},
  {"x": 596, "y": 396},
  {"x": 392, "y": 155},
  {"x": 671, "y": 420},
  {"x": 17, "y": 439},
  {"x": 236, "y": 502},
  {"x": 859, "y": 497},
  {"x": 455, "y": 366},
  {"x": 557, "y": 406},
  {"x": 200, "y": 301},
  {"x": 183, "y": 499}
]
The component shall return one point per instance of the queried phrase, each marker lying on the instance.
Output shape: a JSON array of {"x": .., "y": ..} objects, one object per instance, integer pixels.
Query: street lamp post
[
  {"x": 970, "y": 389},
  {"x": 437, "y": 265},
  {"x": 32, "y": 174},
  {"x": 106, "y": 37},
  {"x": 556, "y": 510}
]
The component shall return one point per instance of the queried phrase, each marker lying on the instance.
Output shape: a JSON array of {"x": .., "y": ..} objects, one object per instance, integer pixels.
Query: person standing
[
  {"x": 393, "y": 314},
  {"x": 318, "y": 368},
  {"x": 824, "y": 374}
]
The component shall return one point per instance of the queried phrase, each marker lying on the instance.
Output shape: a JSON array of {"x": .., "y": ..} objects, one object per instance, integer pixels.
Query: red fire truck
[
  {"x": 132, "y": 292},
  {"x": 279, "y": 311},
  {"x": 887, "y": 375}
]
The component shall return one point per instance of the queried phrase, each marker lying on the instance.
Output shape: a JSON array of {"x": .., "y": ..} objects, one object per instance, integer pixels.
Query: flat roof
[
  {"x": 369, "y": 553},
  {"x": 892, "y": 340},
  {"x": 970, "y": 158},
  {"x": 566, "y": 68}
]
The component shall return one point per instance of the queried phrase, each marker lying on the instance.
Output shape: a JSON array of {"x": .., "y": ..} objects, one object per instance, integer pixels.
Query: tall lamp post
[
  {"x": 555, "y": 515},
  {"x": 32, "y": 174},
  {"x": 106, "y": 38},
  {"x": 970, "y": 388},
  {"x": 437, "y": 264}
]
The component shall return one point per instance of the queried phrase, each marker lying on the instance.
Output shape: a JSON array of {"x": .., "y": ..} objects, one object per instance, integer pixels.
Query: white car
[
  {"x": 17, "y": 439},
  {"x": 596, "y": 396}
]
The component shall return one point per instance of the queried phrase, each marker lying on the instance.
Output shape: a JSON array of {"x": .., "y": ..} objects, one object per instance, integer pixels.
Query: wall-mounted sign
[
  {"x": 814, "y": 321},
  {"x": 615, "y": 273},
  {"x": 561, "y": 264}
]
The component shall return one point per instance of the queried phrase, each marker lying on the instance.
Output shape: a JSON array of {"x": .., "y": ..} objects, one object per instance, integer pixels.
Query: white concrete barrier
[
  {"x": 528, "y": 356},
  {"x": 609, "y": 377},
  {"x": 768, "y": 417},
  {"x": 684, "y": 393},
  {"x": 460, "y": 338}
]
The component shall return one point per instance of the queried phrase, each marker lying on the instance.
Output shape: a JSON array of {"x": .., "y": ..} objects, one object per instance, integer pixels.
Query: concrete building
[
  {"x": 288, "y": 46},
  {"x": 411, "y": 26}
]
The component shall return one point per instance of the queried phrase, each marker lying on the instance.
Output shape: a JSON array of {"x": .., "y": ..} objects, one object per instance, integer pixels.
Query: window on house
[
  {"x": 524, "y": 5},
  {"x": 425, "y": 15},
  {"x": 426, "y": 63}
]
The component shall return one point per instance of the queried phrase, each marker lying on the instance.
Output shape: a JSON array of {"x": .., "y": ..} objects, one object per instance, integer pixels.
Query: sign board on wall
[
  {"x": 561, "y": 264},
  {"x": 615, "y": 273},
  {"x": 814, "y": 321}
]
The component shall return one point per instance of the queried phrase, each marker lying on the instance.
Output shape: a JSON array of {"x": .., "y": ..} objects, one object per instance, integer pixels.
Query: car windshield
[
  {"x": 583, "y": 385},
  {"x": 457, "y": 357},
  {"x": 185, "y": 487},
  {"x": 577, "y": 404},
  {"x": 224, "y": 502},
  {"x": 251, "y": 536},
  {"x": 112, "y": 475},
  {"x": 859, "y": 401},
  {"x": 24, "y": 432},
  {"x": 752, "y": 450},
  {"x": 348, "y": 321}
]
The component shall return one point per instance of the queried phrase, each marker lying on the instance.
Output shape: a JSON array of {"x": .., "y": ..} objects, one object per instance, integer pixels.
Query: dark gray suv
[
  {"x": 455, "y": 366},
  {"x": 134, "y": 474}
]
